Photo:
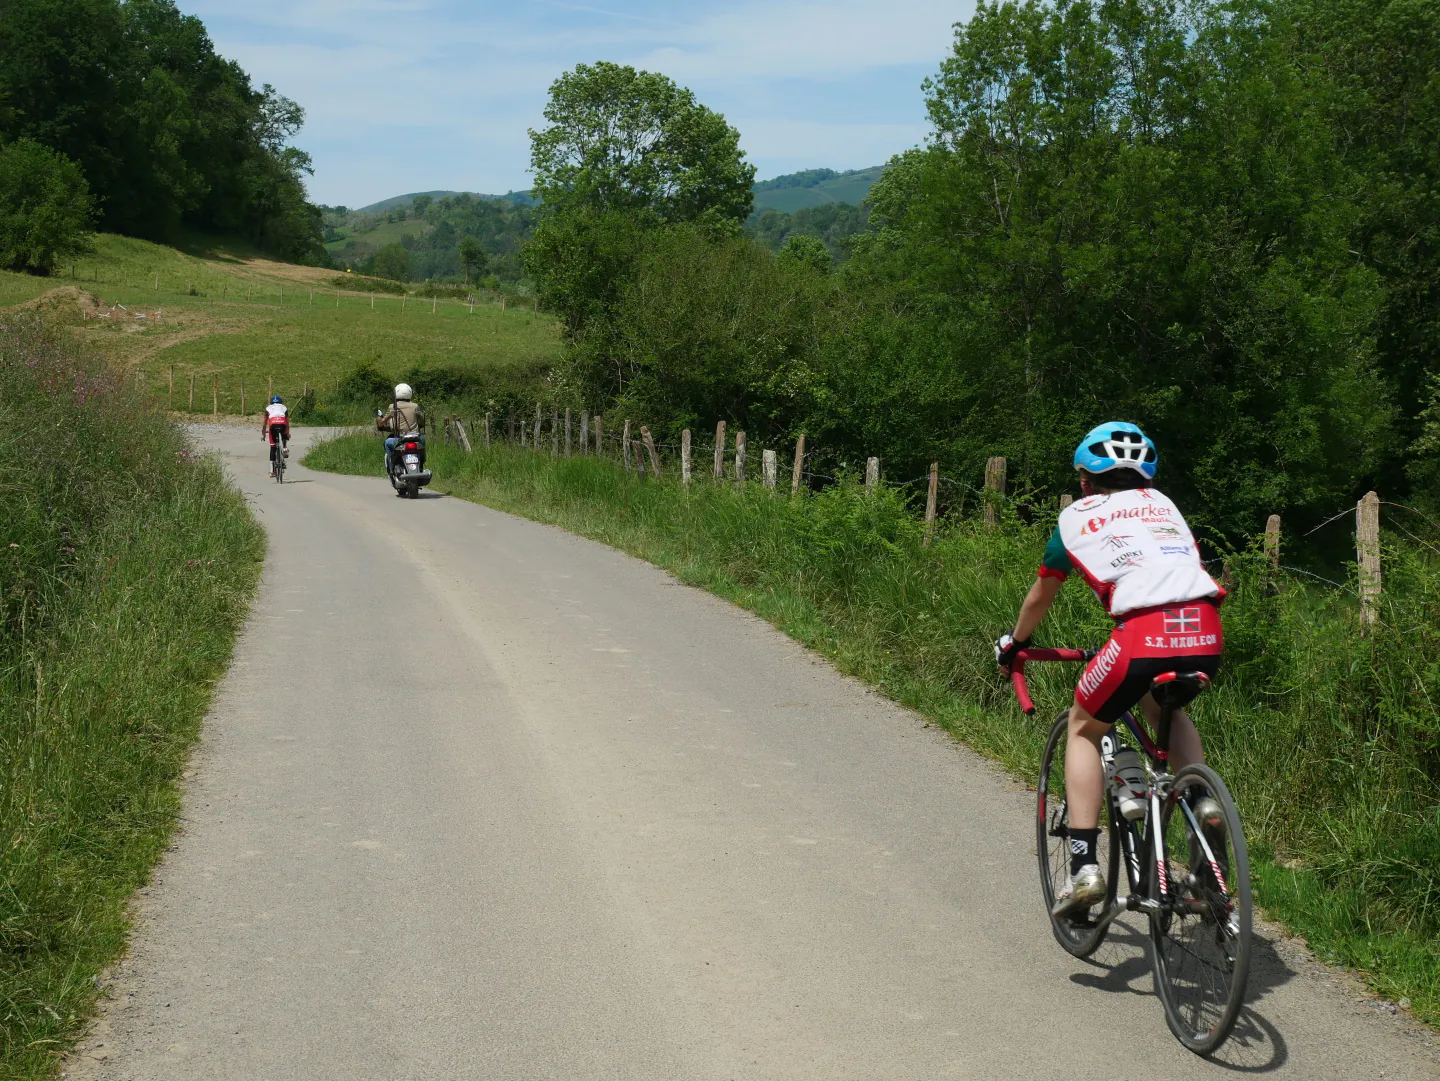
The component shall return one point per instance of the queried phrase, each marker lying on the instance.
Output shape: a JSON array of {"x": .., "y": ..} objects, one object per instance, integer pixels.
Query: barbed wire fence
[{"x": 729, "y": 459}]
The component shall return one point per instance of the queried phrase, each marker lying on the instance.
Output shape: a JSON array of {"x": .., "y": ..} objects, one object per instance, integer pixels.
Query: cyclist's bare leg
[
  {"x": 1185, "y": 745},
  {"x": 1084, "y": 773}
]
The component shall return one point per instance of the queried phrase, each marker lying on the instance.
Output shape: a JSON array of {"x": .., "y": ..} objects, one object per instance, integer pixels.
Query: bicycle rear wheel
[
  {"x": 277, "y": 456},
  {"x": 1200, "y": 937},
  {"x": 1078, "y": 932}
]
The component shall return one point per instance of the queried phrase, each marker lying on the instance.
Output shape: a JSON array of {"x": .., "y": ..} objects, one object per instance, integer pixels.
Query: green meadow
[{"x": 237, "y": 325}]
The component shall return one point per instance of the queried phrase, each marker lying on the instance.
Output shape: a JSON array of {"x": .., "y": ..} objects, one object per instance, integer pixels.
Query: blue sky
[{"x": 414, "y": 95}]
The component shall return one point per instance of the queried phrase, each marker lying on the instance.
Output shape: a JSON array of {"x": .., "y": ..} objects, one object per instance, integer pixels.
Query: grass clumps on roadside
[
  {"x": 1327, "y": 737},
  {"x": 126, "y": 566}
]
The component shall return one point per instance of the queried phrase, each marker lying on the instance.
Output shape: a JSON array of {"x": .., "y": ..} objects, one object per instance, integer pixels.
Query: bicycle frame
[{"x": 1159, "y": 787}]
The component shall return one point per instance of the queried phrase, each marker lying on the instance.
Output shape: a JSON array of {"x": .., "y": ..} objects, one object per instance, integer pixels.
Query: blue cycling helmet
[
  {"x": 275, "y": 399},
  {"x": 1117, "y": 444}
]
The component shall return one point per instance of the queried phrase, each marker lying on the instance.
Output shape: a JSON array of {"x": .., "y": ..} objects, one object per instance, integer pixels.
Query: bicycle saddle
[{"x": 1174, "y": 689}]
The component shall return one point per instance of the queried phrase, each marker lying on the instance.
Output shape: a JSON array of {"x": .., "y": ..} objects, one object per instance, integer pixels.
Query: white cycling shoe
[{"x": 1085, "y": 888}]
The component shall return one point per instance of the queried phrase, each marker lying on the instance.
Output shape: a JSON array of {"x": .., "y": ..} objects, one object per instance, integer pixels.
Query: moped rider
[{"x": 403, "y": 418}]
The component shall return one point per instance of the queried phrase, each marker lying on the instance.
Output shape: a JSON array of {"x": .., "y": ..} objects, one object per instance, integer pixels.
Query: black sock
[{"x": 1082, "y": 847}]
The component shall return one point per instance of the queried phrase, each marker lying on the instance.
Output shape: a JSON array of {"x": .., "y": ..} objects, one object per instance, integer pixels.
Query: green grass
[
  {"x": 126, "y": 571},
  {"x": 267, "y": 323},
  {"x": 1327, "y": 738}
]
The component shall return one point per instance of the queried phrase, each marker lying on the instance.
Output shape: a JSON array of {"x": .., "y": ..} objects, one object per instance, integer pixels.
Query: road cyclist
[
  {"x": 275, "y": 430},
  {"x": 1169, "y": 814}
]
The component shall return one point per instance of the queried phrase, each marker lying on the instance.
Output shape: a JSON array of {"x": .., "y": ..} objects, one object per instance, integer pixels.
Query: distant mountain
[
  {"x": 815, "y": 187},
  {"x": 787, "y": 194},
  {"x": 520, "y": 198}
]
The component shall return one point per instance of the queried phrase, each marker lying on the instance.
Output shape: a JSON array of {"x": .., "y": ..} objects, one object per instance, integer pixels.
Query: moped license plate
[{"x": 412, "y": 459}]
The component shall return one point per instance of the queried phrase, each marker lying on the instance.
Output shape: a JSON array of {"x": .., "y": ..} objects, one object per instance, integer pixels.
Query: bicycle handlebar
[{"x": 1017, "y": 669}]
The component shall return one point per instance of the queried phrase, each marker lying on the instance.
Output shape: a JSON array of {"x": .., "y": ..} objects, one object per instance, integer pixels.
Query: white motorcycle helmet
[{"x": 403, "y": 393}]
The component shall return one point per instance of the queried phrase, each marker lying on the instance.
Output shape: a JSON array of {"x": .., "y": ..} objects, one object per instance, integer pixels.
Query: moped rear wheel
[
  {"x": 1200, "y": 935},
  {"x": 1078, "y": 932}
]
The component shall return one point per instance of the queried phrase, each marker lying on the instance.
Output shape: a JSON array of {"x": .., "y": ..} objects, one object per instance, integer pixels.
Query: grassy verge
[
  {"x": 126, "y": 566},
  {"x": 1328, "y": 738}
]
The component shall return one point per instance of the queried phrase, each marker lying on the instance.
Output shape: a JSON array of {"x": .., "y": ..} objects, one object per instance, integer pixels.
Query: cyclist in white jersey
[{"x": 1132, "y": 546}]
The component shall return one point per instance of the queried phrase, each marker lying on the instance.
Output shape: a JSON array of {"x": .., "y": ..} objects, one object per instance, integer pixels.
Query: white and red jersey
[
  {"x": 1134, "y": 549},
  {"x": 276, "y": 412}
]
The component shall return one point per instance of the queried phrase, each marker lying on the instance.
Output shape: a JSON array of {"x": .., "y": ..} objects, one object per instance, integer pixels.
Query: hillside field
[
  {"x": 389, "y": 232},
  {"x": 258, "y": 321},
  {"x": 850, "y": 187}
]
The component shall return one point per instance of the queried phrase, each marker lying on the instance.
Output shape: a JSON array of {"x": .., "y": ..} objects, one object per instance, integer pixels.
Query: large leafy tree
[
  {"x": 621, "y": 139},
  {"x": 624, "y": 151},
  {"x": 1129, "y": 208},
  {"x": 168, "y": 133}
]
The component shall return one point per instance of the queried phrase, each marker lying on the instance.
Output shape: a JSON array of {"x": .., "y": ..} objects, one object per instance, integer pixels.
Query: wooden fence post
[
  {"x": 191, "y": 405},
  {"x": 510, "y": 426},
  {"x": 719, "y": 450},
  {"x": 433, "y": 301},
  {"x": 1272, "y": 541},
  {"x": 1066, "y": 500},
  {"x": 464, "y": 436},
  {"x": 214, "y": 394},
  {"x": 584, "y": 431},
  {"x": 770, "y": 466},
  {"x": 537, "y": 428},
  {"x": 872, "y": 474},
  {"x": 1367, "y": 550},
  {"x": 932, "y": 500},
  {"x": 740, "y": 457},
  {"x": 625, "y": 445},
  {"x": 567, "y": 432},
  {"x": 685, "y": 463},
  {"x": 994, "y": 482},
  {"x": 487, "y": 431},
  {"x": 269, "y": 387},
  {"x": 599, "y": 435},
  {"x": 170, "y": 401},
  {"x": 650, "y": 449},
  {"x": 799, "y": 469},
  {"x": 554, "y": 433},
  {"x": 242, "y": 397}
]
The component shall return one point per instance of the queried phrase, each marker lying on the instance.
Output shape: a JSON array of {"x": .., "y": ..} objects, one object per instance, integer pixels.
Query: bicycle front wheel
[
  {"x": 1200, "y": 935},
  {"x": 1077, "y": 932}
]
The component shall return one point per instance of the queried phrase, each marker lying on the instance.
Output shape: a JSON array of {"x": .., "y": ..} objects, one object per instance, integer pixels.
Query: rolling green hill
[{"x": 788, "y": 194}]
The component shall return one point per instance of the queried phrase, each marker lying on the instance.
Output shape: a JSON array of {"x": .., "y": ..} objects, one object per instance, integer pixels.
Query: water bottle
[{"x": 1128, "y": 782}]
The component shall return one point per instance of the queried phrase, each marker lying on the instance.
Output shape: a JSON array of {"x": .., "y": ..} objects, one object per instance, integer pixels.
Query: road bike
[
  {"x": 1192, "y": 883},
  {"x": 277, "y": 458}
]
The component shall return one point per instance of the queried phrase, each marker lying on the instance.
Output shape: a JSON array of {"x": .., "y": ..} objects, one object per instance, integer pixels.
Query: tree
[
  {"x": 420, "y": 204},
  {"x": 46, "y": 212},
  {"x": 393, "y": 262},
  {"x": 472, "y": 257},
  {"x": 808, "y": 251},
  {"x": 621, "y": 139},
  {"x": 624, "y": 151}
]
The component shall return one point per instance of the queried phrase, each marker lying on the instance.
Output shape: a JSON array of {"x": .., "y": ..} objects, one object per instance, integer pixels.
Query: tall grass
[
  {"x": 1329, "y": 738},
  {"x": 126, "y": 564}
]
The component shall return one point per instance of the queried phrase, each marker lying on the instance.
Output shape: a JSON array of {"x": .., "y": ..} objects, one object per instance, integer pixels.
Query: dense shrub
[{"x": 46, "y": 212}]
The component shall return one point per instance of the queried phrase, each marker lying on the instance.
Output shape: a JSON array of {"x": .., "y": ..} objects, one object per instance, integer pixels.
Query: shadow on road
[{"x": 1122, "y": 966}]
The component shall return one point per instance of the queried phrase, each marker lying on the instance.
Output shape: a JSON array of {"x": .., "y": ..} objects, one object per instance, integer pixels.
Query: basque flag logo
[{"x": 1182, "y": 620}]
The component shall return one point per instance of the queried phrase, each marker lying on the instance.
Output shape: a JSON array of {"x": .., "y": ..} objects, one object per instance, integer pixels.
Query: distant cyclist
[
  {"x": 1133, "y": 547},
  {"x": 275, "y": 424},
  {"x": 402, "y": 418}
]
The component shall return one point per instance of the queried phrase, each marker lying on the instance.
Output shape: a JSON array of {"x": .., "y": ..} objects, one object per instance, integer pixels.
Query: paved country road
[{"x": 480, "y": 799}]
